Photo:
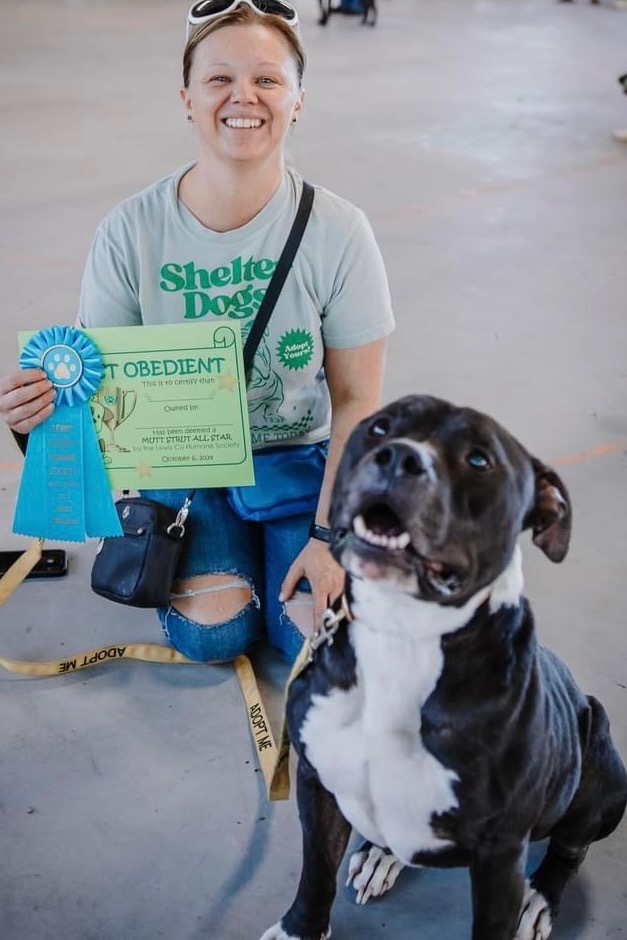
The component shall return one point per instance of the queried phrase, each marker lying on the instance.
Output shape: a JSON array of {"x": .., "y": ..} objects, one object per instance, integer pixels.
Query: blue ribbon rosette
[{"x": 64, "y": 491}]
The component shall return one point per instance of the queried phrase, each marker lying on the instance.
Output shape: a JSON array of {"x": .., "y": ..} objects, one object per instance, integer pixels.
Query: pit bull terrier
[{"x": 433, "y": 721}]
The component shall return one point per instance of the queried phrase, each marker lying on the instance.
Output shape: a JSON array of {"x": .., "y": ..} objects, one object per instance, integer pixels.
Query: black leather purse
[{"x": 138, "y": 568}]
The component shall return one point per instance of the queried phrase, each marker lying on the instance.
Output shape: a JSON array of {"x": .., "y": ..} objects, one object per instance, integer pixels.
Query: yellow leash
[
  {"x": 19, "y": 569},
  {"x": 274, "y": 762}
]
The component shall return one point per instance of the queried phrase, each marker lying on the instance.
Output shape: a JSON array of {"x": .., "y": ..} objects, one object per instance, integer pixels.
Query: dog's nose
[{"x": 401, "y": 459}]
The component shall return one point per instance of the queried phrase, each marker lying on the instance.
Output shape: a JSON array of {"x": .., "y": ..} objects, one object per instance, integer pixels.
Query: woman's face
[{"x": 243, "y": 92}]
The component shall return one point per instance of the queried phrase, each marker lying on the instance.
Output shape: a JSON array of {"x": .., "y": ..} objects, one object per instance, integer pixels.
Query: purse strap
[{"x": 280, "y": 273}]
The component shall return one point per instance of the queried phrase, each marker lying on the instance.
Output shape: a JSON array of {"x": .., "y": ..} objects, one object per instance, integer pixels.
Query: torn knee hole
[
  {"x": 208, "y": 584},
  {"x": 299, "y": 608},
  {"x": 212, "y": 599}
]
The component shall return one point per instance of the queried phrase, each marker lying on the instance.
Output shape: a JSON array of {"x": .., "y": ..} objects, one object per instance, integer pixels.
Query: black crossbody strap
[{"x": 280, "y": 273}]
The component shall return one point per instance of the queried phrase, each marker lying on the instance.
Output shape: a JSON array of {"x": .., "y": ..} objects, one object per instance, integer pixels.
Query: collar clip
[{"x": 332, "y": 619}]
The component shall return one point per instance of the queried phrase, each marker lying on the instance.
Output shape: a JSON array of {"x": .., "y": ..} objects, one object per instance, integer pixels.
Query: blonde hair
[{"x": 244, "y": 15}]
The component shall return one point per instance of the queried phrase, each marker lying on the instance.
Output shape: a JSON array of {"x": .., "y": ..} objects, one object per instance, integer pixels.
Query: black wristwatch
[{"x": 319, "y": 532}]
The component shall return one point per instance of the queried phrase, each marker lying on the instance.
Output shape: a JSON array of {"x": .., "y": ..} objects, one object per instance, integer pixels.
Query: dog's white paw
[
  {"x": 535, "y": 917},
  {"x": 277, "y": 933},
  {"x": 372, "y": 872}
]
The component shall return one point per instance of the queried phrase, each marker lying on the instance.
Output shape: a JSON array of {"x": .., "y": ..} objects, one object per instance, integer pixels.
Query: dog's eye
[
  {"x": 379, "y": 427},
  {"x": 478, "y": 460}
]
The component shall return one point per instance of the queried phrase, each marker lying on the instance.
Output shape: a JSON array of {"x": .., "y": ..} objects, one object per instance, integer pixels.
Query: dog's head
[{"x": 431, "y": 498}]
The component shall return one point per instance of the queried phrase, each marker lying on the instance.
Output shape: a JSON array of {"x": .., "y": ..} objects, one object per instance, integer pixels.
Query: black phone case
[{"x": 52, "y": 564}]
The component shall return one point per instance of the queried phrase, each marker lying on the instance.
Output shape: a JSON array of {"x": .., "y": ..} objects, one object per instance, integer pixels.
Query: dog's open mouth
[{"x": 381, "y": 529}]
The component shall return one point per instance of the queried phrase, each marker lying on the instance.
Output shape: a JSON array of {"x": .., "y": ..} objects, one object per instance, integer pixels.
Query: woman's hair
[{"x": 244, "y": 15}]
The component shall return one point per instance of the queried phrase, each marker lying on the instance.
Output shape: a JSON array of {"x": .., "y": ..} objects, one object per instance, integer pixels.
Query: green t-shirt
[{"x": 153, "y": 262}]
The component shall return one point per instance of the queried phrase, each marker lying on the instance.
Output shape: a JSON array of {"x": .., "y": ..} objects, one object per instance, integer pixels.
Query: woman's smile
[{"x": 241, "y": 123}]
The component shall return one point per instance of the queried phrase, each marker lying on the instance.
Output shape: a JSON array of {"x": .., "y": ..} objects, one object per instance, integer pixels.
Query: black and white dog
[
  {"x": 368, "y": 16},
  {"x": 433, "y": 722}
]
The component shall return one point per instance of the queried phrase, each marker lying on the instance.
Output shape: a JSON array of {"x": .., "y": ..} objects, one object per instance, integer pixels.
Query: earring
[
  {"x": 294, "y": 120},
  {"x": 189, "y": 117}
]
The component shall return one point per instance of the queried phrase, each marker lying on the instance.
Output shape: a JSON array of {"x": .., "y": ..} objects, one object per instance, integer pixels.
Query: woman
[{"x": 201, "y": 244}]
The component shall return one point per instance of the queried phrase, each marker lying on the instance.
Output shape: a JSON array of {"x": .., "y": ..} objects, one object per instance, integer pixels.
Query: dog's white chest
[{"x": 366, "y": 747}]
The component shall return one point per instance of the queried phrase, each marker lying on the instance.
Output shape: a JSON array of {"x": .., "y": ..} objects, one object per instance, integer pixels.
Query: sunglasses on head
[{"x": 206, "y": 10}]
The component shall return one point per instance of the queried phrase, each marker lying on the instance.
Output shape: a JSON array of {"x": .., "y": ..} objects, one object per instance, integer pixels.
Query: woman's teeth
[
  {"x": 242, "y": 122},
  {"x": 393, "y": 542}
]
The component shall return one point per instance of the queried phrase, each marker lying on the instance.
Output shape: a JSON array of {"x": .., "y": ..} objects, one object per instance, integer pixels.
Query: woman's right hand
[{"x": 26, "y": 399}]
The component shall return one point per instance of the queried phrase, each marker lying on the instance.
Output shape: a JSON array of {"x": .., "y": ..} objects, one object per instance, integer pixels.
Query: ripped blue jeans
[{"x": 219, "y": 542}]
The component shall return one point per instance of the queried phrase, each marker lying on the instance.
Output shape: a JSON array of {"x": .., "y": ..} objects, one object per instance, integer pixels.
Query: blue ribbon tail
[
  {"x": 64, "y": 491},
  {"x": 50, "y": 501},
  {"x": 32, "y": 499},
  {"x": 101, "y": 518}
]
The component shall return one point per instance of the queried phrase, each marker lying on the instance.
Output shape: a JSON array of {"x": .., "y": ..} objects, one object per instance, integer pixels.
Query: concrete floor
[{"x": 477, "y": 134}]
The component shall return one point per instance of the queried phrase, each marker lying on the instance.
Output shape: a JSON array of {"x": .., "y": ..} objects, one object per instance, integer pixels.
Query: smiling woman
[
  {"x": 203, "y": 243},
  {"x": 242, "y": 87}
]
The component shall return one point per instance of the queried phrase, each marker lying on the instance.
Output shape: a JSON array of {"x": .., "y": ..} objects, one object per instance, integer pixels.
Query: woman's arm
[{"x": 355, "y": 380}]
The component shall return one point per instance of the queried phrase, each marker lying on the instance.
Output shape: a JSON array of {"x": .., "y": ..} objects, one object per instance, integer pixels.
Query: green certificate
[{"x": 171, "y": 411}]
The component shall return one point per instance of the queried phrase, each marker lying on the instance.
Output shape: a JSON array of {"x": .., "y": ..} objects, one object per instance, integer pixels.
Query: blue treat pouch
[{"x": 287, "y": 483}]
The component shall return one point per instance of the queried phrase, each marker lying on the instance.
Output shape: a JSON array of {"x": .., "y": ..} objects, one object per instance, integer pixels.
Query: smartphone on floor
[{"x": 52, "y": 564}]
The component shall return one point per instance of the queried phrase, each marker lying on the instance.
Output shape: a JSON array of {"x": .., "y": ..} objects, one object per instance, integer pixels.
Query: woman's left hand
[{"x": 325, "y": 576}]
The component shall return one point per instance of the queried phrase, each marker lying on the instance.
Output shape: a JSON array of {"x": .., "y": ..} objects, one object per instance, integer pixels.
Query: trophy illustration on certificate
[{"x": 110, "y": 407}]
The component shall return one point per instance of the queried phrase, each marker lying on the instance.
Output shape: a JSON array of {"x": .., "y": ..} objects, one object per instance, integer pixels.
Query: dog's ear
[{"x": 550, "y": 518}]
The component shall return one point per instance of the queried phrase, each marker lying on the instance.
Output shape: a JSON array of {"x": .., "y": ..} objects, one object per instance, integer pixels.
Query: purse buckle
[{"x": 179, "y": 522}]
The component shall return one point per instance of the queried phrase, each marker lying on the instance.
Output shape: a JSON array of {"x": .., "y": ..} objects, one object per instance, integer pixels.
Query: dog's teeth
[{"x": 393, "y": 542}]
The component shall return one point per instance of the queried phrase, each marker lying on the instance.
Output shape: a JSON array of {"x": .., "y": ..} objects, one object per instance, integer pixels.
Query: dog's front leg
[
  {"x": 325, "y": 837},
  {"x": 498, "y": 883}
]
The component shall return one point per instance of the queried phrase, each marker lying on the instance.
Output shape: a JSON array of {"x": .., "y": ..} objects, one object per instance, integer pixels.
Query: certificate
[{"x": 171, "y": 411}]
